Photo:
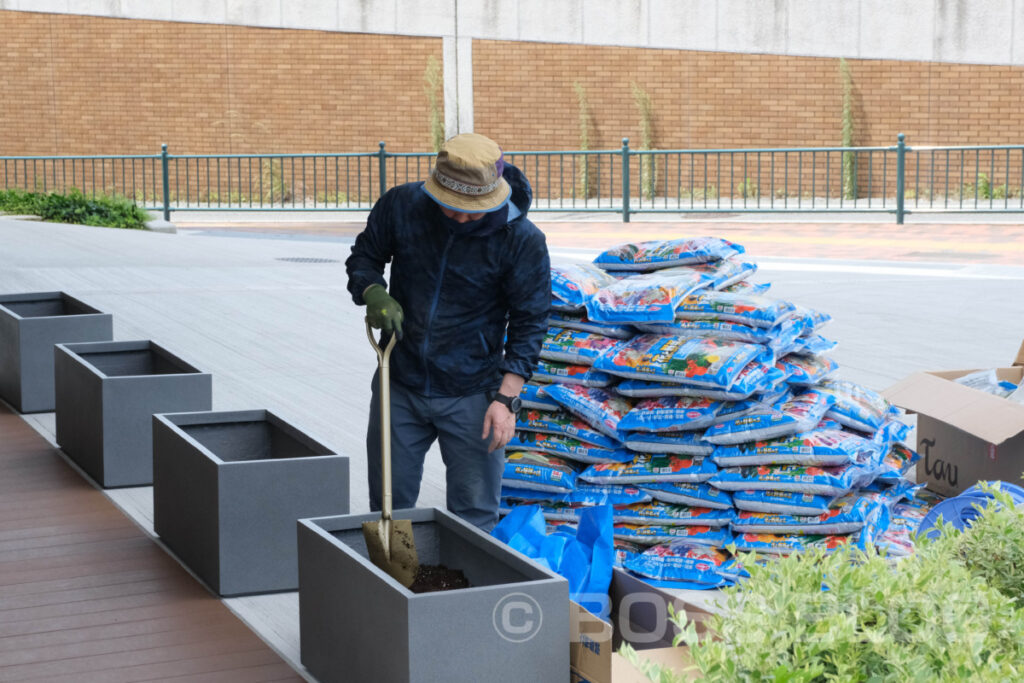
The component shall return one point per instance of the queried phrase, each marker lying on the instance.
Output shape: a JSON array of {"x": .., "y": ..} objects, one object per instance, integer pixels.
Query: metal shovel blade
[{"x": 392, "y": 547}]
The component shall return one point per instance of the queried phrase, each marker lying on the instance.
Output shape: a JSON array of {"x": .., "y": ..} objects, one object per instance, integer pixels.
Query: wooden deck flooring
[{"x": 85, "y": 595}]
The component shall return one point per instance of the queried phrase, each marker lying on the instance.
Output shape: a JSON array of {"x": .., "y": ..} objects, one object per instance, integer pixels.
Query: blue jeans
[{"x": 472, "y": 472}]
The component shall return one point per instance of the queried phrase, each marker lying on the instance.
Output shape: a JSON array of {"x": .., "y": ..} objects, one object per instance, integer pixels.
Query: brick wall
[
  {"x": 524, "y": 98},
  {"x": 88, "y": 85}
]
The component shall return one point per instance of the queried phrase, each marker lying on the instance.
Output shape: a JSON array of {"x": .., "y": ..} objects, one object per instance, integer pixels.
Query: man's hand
[
  {"x": 382, "y": 311},
  {"x": 500, "y": 424}
]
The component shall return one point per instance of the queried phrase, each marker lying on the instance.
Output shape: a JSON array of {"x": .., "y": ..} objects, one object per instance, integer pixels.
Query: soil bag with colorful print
[
  {"x": 756, "y": 311},
  {"x": 567, "y": 447},
  {"x": 538, "y": 471},
  {"x": 562, "y": 423},
  {"x": 651, "y": 297},
  {"x": 799, "y": 414},
  {"x": 575, "y": 283},
  {"x": 534, "y": 396},
  {"x": 599, "y": 408},
  {"x": 846, "y": 514},
  {"x": 567, "y": 373},
  {"x": 580, "y": 321},
  {"x": 671, "y": 514},
  {"x": 674, "y": 443},
  {"x": 671, "y": 414},
  {"x": 822, "y": 481},
  {"x": 805, "y": 371},
  {"x": 755, "y": 378},
  {"x": 646, "y": 468},
  {"x": 821, "y": 447},
  {"x": 655, "y": 254},
  {"x": 711, "y": 363},
  {"x": 782, "y": 502},
  {"x": 572, "y": 346},
  {"x": 698, "y": 495},
  {"x": 649, "y": 534},
  {"x": 683, "y": 565}
]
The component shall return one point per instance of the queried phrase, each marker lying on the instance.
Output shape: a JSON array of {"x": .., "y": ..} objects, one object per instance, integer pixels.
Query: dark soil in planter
[{"x": 437, "y": 577}]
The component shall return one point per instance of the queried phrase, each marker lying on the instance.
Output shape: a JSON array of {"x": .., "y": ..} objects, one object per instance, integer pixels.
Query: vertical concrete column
[{"x": 458, "y": 84}]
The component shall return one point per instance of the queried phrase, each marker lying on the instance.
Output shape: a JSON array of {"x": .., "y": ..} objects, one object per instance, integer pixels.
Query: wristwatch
[{"x": 513, "y": 403}]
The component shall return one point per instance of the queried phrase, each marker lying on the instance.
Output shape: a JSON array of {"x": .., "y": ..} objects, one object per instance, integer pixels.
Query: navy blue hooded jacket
[{"x": 460, "y": 285}]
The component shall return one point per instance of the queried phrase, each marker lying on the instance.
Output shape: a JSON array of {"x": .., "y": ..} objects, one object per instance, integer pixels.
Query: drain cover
[{"x": 305, "y": 259}]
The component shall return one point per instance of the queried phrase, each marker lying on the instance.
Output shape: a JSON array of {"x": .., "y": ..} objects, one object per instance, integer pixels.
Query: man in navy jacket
[{"x": 468, "y": 298}]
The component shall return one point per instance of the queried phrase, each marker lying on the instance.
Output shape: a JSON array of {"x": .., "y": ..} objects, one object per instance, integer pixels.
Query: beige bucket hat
[{"x": 467, "y": 175}]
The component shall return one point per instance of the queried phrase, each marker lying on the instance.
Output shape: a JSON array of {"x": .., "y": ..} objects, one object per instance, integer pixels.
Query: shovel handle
[{"x": 384, "y": 373}]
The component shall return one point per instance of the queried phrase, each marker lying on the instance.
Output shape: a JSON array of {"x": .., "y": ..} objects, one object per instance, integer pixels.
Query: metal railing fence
[{"x": 898, "y": 179}]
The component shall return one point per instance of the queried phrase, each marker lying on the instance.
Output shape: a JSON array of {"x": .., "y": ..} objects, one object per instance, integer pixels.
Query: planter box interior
[
  {"x": 106, "y": 396},
  {"x": 30, "y": 325},
  {"x": 357, "y": 623},
  {"x": 228, "y": 488}
]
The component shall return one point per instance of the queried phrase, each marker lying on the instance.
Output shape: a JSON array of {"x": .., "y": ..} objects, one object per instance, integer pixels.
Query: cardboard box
[
  {"x": 963, "y": 435},
  {"x": 639, "y": 616}
]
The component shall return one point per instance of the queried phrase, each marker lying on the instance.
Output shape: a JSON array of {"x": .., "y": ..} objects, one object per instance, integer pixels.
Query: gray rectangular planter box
[
  {"x": 228, "y": 488},
  {"x": 30, "y": 324},
  {"x": 359, "y": 624},
  {"x": 106, "y": 396}
]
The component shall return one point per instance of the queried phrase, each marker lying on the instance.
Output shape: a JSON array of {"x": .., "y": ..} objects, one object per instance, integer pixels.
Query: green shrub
[
  {"x": 939, "y": 615},
  {"x": 75, "y": 207}
]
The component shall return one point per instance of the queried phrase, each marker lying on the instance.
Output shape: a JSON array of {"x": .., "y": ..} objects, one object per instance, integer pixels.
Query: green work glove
[{"x": 382, "y": 311}]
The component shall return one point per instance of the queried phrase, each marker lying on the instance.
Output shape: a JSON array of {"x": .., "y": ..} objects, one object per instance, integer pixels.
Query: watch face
[{"x": 515, "y": 404}]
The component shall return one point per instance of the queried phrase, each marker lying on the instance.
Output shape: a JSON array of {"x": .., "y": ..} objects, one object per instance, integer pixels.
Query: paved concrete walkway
[{"x": 279, "y": 331}]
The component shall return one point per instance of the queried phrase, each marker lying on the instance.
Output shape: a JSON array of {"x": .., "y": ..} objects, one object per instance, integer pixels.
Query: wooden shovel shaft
[{"x": 384, "y": 373}]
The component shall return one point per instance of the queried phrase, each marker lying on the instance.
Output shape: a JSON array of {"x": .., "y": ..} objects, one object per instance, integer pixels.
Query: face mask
[{"x": 487, "y": 220}]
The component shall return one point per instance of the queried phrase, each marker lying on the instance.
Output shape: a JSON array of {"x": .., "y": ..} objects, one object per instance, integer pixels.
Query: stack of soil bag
[{"x": 708, "y": 413}]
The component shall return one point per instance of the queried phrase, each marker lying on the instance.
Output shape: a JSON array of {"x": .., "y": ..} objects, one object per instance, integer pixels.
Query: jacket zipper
[{"x": 433, "y": 309}]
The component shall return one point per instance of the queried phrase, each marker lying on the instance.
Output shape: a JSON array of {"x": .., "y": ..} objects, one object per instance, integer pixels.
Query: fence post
[
  {"x": 901, "y": 152},
  {"x": 625, "y": 180},
  {"x": 167, "y": 182},
  {"x": 382, "y": 156}
]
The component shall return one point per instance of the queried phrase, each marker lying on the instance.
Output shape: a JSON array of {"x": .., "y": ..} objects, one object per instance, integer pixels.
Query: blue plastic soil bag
[
  {"x": 822, "y": 447},
  {"x": 806, "y": 371},
  {"x": 822, "y": 481},
  {"x": 538, "y": 471},
  {"x": 847, "y": 514},
  {"x": 856, "y": 406},
  {"x": 553, "y": 512},
  {"x": 567, "y": 447},
  {"x": 755, "y": 377},
  {"x": 599, "y": 408},
  {"x": 897, "y": 463},
  {"x": 757, "y": 311},
  {"x": 673, "y": 443},
  {"x": 799, "y": 414},
  {"x": 810, "y": 320},
  {"x": 711, "y": 363},
  {"x": 646, "y": 468},
  {"x": 566, "y": 373},
  {"x": 649, "y": 534},
  {"x": 724, "y": 273},
  {"x": 583, "y": 494},
  {"x": 744, "y": 287},
  {"x": 534, "y": 396},
  {"x": 814, "y": 345},
  {"x": 573, "y": 346},
  {"x": 683, "y": 565},
  {"x": 562, "y": 307},
  {"x": 650, "y": 297},
  {"x": 575, "y": 283},
  {"x": 780, "y": 337},
  {"x": 585, "y": 558},
  {"x": 671, "y": 414},
  {"x": 698, "y": 495},
  {"x": 786, "y": 544},
  {"x": 562, "y": 423},
  {"x": 782, "y": 502},
  {"x": 656, "y": 254},
  {"x": 672, "y": 514},
  {"x": 624, "y": 550},
  {"x": 580, "y": 321}
]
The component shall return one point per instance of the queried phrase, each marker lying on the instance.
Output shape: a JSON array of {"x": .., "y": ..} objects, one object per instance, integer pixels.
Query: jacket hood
[{"x": 522, "y": 193}]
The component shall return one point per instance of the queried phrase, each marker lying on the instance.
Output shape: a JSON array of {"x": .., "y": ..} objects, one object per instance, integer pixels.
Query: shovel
[{"x": 390, "y": 542}]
